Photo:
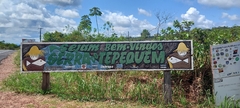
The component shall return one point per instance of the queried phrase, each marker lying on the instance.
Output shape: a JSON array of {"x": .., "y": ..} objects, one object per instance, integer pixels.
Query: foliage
[
  {"x": 143, "y": 87},
  {"x": 9, "y": 46},
  {"x": 108, "y": 26},
  {"x": 17, "y": 59},
  {"x": 188, "y": 85},
  {"x": 85, "y": 25},
  {"x": 75, "y": 36},
  {"x": 183, "y": 26},
  {"x": 230, "y": 103},
  {"x": 202, "y": 40},
  {"x": 53, "y": 37},
  {"x": 145, "y": 34}
]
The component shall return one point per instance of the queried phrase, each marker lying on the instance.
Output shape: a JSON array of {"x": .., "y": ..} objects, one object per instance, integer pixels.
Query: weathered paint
[{"x": 105, "y": 56}]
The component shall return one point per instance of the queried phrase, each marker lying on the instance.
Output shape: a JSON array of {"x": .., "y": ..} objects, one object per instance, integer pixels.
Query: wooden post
[
  {"x": 167, "y": 87},
  {"x": 45, "y": 81}
]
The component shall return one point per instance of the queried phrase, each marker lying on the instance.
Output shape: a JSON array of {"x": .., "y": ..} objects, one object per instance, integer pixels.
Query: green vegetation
[
  {"x": 9, "y": 46},
  {"x": 230, "y": 103},
  {"x": 141, "y": 87},
  {"x": 190, "y": 88}
]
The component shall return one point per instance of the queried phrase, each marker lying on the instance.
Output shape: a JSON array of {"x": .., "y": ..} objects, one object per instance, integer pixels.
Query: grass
[
  {"x": 119, "y": 89},
  {"x": 230, "y": 103}
]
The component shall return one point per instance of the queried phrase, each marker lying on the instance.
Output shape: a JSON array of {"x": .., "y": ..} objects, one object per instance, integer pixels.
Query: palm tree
[
  {"x": 95, "y": 11},
  {"x": 85, "y": 24}
]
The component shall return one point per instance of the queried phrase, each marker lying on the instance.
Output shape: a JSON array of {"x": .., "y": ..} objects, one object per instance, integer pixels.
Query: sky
[{"x": 21, "y": 19}]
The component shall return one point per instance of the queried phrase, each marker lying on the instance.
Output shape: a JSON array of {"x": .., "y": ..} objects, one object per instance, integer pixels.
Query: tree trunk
[{"x": 97, "y": 24}]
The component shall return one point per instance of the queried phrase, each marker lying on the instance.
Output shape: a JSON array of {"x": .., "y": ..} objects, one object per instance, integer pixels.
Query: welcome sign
[{"x": 106, "y": 56}]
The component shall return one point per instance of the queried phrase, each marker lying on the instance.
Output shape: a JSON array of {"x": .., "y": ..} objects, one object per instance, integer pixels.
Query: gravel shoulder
[{"x": 10, "y": 99}]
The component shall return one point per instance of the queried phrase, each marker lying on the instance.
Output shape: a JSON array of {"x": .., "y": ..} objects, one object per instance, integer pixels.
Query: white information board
[{"x": 225, "y": 62}]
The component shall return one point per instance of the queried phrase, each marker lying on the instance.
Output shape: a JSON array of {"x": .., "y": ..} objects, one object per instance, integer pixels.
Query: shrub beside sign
[{"x": 106, "y": 56}]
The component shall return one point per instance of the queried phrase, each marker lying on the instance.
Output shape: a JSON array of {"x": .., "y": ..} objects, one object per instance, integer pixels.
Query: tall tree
[
  {"x": 162, "y": 18},
  {"x": 145, "y": 34},
  {"x": 95, "y": 11},
  {"x": 108, "y": 26},
  {"x": 85, "y": 24}
]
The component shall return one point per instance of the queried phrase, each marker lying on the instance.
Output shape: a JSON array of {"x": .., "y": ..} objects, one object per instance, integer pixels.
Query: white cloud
[
  {"x": 221, "y": 3},
  {"x": 124, "y": 23},
  {"x": 22, "y": 20},
  {"x": 169, "y": 24},
  {"x": 224, "y": 23},
  {"x": 25, "y": 8},
  {"x": 57, "y": 21},
  {"x": 230, "y": 17},
  {"x": 63, "y": 2},
  {"x": 200, "y": 20},
  {"x": 144, "y": 12},
  {"x": 67, "y": 13}
]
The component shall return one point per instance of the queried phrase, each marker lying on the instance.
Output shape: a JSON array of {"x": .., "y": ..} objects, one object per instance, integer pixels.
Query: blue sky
[{"x": 21, "y": 19}]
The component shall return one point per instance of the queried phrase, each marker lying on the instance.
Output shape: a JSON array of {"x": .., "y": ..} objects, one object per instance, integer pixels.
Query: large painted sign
[
  {"x": 226, "y": 71},
  {"x": 107, "y": 56}
]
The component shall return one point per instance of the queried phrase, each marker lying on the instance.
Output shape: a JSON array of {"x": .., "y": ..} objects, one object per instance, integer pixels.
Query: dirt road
[{"x": 5, "y": 53}]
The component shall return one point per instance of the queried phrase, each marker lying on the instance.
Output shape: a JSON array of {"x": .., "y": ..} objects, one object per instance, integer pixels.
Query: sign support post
[
  {"x": 167, "y": 87},
  {"x": 49, "y": 57},
  {"x": 45, "y": 81}
]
